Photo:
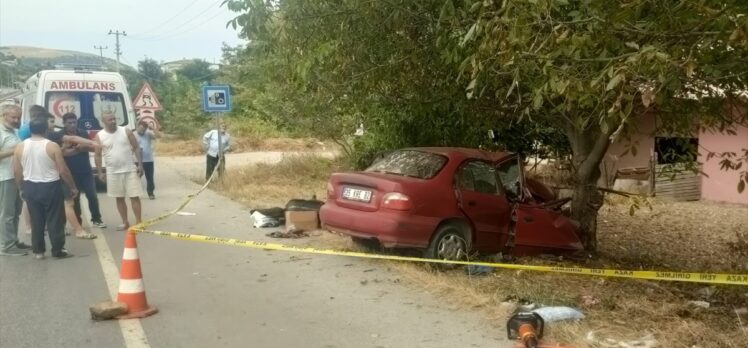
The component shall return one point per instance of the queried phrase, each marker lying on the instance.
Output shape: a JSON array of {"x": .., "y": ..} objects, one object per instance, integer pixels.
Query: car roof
[{"x": 464, "y": 152}]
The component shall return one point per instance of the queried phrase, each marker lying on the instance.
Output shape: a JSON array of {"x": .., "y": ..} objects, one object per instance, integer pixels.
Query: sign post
[
  {"x": 146, "y": 104},
  {"x": 217, "y": 99}
]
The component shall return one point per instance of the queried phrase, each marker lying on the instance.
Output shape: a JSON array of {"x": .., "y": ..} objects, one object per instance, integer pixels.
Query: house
[{"x": 626, "y": 168}]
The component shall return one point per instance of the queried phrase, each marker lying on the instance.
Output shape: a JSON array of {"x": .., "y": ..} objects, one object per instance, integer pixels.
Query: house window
[{"x": 671, "y": 150}]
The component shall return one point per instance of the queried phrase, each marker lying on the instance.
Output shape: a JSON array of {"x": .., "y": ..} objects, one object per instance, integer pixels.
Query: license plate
[{"x": 356, "y": 194}]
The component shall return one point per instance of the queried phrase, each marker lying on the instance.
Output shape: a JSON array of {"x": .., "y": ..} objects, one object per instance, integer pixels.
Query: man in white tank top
[
  {"x": 124, "y": 167},
  {"x": 38, "y": 166}
]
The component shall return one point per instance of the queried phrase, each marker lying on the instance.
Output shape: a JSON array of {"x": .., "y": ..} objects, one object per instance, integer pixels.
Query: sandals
[{"x": 86, "y": 235}]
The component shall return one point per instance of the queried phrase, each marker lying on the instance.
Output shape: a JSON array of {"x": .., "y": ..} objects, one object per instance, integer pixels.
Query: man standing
[
  {"x": 10, "y": 200},
  {"x": 124, "y": 167},
  {"x": 210, "y": 146},
  {"x": 77, "y": 159},
  {"x": 145, "y": 134},
  {"x": 38, "y": 167}
]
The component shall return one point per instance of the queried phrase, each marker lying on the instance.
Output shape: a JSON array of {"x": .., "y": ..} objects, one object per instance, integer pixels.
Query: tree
[
  {"x": 151, "y": 71},
  {"x": 441, "y": 72},
  {"x": 197, "y": 70},
  {"x": 592, "y": 68}
]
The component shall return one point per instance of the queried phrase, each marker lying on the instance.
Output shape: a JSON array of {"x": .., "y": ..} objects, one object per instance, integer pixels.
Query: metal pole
[
  {"x": 101, "y": 52},
  {"x": 220, "y": 145},
  {"x": 117, "y": 50}
]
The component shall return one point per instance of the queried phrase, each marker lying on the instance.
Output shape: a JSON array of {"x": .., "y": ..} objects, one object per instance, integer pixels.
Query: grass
[
  {"x": 295, "y": 176},
  {"x": 193, "y": 147},
  {"x": 694, "y": 236}
]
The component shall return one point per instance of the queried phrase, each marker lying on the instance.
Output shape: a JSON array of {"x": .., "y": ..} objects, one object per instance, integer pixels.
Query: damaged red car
[{"x": 449, "y": 202}]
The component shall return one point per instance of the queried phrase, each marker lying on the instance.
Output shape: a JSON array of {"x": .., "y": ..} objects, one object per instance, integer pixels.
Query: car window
[
  {"x": 477, "y": 176},
  {"x": 416, "y": 164},
  {"x": 509, "y": 174}
]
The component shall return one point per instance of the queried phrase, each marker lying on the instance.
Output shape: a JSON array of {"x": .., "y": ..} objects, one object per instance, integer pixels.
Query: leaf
[
  {"x": 614, "y": 82},
  {"x": 741, "y": 186},
  {"x": 648, "y": 96},
  {"x": 633, "y": 45},
  {"x": 632, "y": 210},
  {"x": 476, "y": 6},
  {"x": 470, "y": 34},
  {"x": 447, "y": 12},
  {"x": 633, "y": 151}
]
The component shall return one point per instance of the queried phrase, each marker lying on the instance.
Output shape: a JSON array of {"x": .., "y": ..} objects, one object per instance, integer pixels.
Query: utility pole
[
  {"x": 117, "y": 49},
  {"x": 101, "y": 53}
]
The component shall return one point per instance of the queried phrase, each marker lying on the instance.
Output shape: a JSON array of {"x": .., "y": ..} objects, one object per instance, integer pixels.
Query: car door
[
  {"x": 537, "y": 229},
  {"x": 481, "y": 200}
]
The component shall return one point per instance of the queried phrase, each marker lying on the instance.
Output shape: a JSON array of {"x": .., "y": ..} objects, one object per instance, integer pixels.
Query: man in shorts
[{"x": 124, "y": 167}]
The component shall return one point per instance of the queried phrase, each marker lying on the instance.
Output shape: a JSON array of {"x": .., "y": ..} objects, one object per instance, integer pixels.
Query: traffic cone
[{"x": 131, "y": 287}]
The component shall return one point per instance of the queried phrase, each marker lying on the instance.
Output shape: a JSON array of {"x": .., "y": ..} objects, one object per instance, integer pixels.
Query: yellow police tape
[{"x": 708, "y": 278}]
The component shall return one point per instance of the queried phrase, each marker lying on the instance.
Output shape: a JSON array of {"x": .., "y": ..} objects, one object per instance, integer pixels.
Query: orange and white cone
[{"x": 131, "y": 287}]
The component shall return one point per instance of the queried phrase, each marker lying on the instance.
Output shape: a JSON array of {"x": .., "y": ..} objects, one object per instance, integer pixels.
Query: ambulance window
[
  {"x": 109, "y": 103},
  {"x": 60, "y": 103}
]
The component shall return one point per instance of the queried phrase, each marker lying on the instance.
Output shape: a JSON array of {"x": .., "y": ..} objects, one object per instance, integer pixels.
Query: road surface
[{"x": 220, "y": 296}]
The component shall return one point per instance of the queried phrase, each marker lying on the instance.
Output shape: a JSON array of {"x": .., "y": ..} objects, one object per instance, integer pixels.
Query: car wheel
[
  {"x": 449, "y": 243},
  {"x": 366, "y": 243}
]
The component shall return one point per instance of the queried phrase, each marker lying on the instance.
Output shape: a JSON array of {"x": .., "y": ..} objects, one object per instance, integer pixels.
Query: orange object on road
[
  {"x": 131, "y": 286},
  {"x": 527, "y": 336}
]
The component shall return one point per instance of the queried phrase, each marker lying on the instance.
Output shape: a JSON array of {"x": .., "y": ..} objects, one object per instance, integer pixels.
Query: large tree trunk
[{"x": 588, "y": 149}]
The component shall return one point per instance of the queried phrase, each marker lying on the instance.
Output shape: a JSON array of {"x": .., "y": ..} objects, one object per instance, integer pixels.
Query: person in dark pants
[
  {"x": 38, "y": 166},
  {"x": 78, "y": 161},
  {"x": 210, "y": 146},
  {"x": 146, "y": 133}
]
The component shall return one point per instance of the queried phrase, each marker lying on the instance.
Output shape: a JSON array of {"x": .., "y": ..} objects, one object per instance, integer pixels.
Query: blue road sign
[{"x": 216, "y": 98}]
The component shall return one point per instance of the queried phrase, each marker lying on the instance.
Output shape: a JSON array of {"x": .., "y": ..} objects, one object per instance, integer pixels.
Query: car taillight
[
  {"x": 330, "y": 190},
  {"x": 396, "y": 201}
]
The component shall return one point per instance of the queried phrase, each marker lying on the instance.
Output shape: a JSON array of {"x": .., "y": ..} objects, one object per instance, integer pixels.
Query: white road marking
[{"x": 132, "y": 330}]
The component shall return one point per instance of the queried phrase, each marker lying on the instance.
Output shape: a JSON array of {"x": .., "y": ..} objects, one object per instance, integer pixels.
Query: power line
[
  {"x": 196, "y": 26},
  {"x": 176, "y": 29},
  {"x": 161, "y": 25},
  {"x": 117, "y": 49}
]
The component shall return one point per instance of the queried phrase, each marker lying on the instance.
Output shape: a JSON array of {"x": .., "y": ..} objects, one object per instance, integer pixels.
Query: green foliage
[
  {"x": 567, "y": 76},
  {"x": 197, "y": 70}
]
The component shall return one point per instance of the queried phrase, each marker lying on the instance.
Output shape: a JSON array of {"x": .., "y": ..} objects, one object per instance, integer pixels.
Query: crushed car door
[
  {"x": 481, "y": 200},
  {"x": 537, "y": 229}
]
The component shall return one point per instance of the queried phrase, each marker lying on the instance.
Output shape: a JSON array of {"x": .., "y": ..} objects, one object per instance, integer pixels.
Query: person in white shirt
[
  {"x": 38, "y": 166},
  {"x": 210, "y": 146},
  {"x": 10, "y": 200},
  {"x": 124, "y": 167},
  {"x": 146, "y": 133}
]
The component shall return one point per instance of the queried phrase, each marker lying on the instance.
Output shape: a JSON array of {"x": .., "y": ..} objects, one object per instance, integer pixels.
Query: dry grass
[
  {"x": 695, "y": 236},
  {"x": 264, "y": 185},
  {"x": 181, "y": 147}
]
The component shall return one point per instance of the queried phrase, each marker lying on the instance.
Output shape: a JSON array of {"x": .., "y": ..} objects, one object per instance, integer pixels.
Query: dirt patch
[{"x": 182, "y": 147}]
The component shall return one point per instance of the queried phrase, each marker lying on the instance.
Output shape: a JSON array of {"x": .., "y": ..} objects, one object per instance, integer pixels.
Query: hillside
[{"x": 32, "y": 56}]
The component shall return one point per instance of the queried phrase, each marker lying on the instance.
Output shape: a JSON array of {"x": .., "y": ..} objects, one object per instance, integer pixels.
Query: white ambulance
[{"x": 87, "y": 93}]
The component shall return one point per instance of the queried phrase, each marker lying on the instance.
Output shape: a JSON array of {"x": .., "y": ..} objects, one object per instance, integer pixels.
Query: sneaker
[
  {"x": 123, "y": 227},
  {"x": 12, "y": 251},
  {"x": 151, "y": 196},
  {"x": 62, "y": 254},
  {"x": 22, "y": 246},
  {"x": 98, "y": 224},
  {"x": 39, "y": 256}
]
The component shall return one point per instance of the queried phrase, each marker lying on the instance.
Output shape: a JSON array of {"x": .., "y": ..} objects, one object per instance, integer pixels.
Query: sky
[{"x": 164, "y": 30}]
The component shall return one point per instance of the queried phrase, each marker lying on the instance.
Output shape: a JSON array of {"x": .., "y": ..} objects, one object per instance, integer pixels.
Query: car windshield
[{"x": 416, "y": 164}]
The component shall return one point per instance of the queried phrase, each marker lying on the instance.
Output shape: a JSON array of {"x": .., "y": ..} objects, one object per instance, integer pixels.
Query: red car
[{"x": 451, "y": 202}]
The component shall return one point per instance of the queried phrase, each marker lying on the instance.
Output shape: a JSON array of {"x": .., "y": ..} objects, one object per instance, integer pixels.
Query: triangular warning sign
[{"x": 146, "y": 99}]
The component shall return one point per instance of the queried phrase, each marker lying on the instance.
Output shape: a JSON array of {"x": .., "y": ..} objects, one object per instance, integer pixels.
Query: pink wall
[{"x": 721, "y": 185}]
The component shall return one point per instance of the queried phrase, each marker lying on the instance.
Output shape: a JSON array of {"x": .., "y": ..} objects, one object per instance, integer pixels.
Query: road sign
[
  {"x": 149, "y": 118},
  {"x": 216, "y": 98},
  {"x": 146, "y": 99}
]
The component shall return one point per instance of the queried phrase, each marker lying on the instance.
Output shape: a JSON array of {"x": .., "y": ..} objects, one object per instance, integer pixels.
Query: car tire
[
  {"x": 367, "y": 244},
  {"x": 450, "y": 242}
]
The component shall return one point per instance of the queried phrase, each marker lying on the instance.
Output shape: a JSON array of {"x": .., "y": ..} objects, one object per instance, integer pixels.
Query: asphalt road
[{"x": 220, "y": 296}]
